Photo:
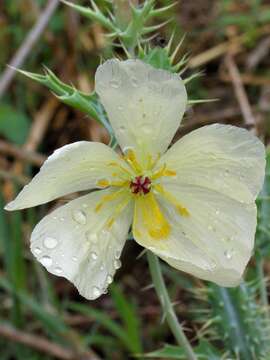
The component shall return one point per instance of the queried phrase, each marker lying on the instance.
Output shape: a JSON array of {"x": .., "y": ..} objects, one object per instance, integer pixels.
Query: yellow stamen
[
  {"x": 155, "y": 222},
  {"x": 119, "y": 208},
  {"x": 163, "y": 171},
  {"x": 131, "y": 159},
  {"x": 103, "y": 183},
  {"x": 109, "y": 197},
  {"x": 169, "y": 197},
  {"x": 125, "y": 170}
]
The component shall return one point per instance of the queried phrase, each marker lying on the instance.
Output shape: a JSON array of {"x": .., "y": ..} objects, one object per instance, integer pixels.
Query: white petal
[
  {"x": 74, "y": 242},
  {"x": 223, "y": 158},
  {"x": 213, "y": 243},
  {"x": 145, "y": 105},
  {"x": 73, "y": 167}
]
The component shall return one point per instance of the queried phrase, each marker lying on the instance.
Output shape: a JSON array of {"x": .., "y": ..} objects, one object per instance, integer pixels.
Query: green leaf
[
  {"x": 263, "y": 204},
  {"x": 204, "y": 351},
  {"x": 14, "y": 125},
  {"x": 102, "y": 318},
  {"x": 129, "y": 317},
  {"x": 157, "y": 57}
]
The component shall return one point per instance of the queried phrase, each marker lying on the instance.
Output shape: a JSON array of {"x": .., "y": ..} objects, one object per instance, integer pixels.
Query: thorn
[
  {"x": 160, "y": 11},
  {"x": 193, "y": 76},
  {"x": 144, "y": 251},
  {"x": 173, "y": 56},
  {"x": 149, "y": 29},
  {"x": 169, "y": 45},
  {"x": 201, "y": 101},
  {"x": 147, "y": 287}
]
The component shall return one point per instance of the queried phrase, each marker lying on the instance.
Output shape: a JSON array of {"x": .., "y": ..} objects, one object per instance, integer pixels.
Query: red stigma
[{"x": 140, "y": 185}]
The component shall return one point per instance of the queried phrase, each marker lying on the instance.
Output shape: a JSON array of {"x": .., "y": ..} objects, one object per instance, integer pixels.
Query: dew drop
[
  {"x": 96, "y": 291},
  {"x": 37, "y": 250},
  {"x": 93, "y": 255},
  {"x": 79, "y": 216},
  {"x": 109, "y": 279},
  {"x": 105, "y": 291},
  {"x": 115, "y": 83},
  {"x": 102, "y": 267},
  {"x": 217, "y": 212},
  {"x": 46, "y": 260},
  {"x": 227, "y": 172},
  {"x": 117, "y": 264},
  {"x": 210, "y": 227},
  {"x": 120, "y": 108},
  {"x": 117, "y": 254},
  {"x": 62, "y": 219},
  {"x": 58, "y": 270},
  {"x": 228, "y": 254},
  {"x": 74, "y": 258},
  {"x": 91, "y": 237},
  {"x": 50, "y": 242},
  {"x": 85, "y": 206}
]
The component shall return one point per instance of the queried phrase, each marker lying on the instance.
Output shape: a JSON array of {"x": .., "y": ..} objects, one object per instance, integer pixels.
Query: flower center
[{"x": 141, "y": 185}]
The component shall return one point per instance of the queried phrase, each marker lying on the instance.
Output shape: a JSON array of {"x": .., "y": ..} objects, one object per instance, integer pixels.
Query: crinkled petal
[
  {"x": 145, "y": 105},
  {"x": 224, "y": 158},
  {"x": 213, "y": 243},
  {"x": 75, "y": 242},
  {"x": 73, "y": 167}
]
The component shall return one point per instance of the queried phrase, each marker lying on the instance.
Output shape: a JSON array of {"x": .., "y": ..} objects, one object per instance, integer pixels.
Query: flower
[{"x": 193, "y": 206}]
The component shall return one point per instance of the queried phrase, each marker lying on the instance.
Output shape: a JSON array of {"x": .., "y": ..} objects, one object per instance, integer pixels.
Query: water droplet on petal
[
  {"x": 58, "y": 270},
  {"x": 217, "y": 212},
  {"x": 120, "y": 108},
  {"x": 109, "y": 279},
  {"x": 91, "y": 237},
  {"x": 115, "y": 83},
  {"x": 37, "y": 250},
  {"x": 93, "y": 255},
  {"x": 96, "y": 291},
  {"x": 117, "y": 254},
  {"x": 62, "y": 219},
  {"x": 46, "y": 260},
  {"x": 228, "y": 254},
  {"x": 210, "y": 227},
  {"x": 74, "y": 258},
  {"x": 105, "y": 291},
  {"x": 79, "y": 216},
  {"x": 50, "y": 242},
  {"x": 85, "y": 206},
  {"x": 102, "y": 267},
  {"x": 117, "y": 264}
]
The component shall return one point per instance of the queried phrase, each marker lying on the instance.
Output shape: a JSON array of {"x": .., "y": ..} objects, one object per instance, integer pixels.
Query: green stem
[
  {"x": 262, "y": 284},
  {"x": 167, "y": 307}
]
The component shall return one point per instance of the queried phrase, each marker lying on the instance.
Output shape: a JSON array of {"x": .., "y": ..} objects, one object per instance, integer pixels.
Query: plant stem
[
  {"x": 262, "y": 284},
  {"x": 167, "y": 307}
]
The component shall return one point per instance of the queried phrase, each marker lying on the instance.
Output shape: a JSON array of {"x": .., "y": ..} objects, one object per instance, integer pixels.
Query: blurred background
[{"x": 43, "y": 316}]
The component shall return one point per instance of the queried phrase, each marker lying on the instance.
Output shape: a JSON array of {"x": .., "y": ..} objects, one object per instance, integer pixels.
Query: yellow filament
[
  {"x": 124, "y": 170},
  {"x": 117, "y": 211},
  {"x": 107, "y": 198},
  {"x": 163, "y": 171},
  {"x": 103, "y": 183},
  {"x": 131, "y": 159},
  {"x": 153, "y": 219},
  {"x": 169, "y": 197}
]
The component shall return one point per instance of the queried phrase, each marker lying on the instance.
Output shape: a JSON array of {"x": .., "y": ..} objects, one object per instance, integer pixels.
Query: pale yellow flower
[{"x": 193, "y": 206}]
